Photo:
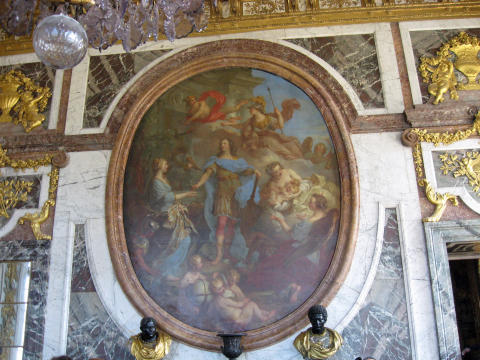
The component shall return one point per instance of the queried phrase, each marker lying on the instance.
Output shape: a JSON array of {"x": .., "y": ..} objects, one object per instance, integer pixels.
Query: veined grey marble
[
  {"x": 381, "y": 328},
  {"x": 106, "y": 75},
  {"x": 37, "y": 253},
  {"x": 437, "y": 235},
  {"x": 355, "y": 57},
  {"x": 81, "y": 278},
  {"x": 91, "y": 331}
]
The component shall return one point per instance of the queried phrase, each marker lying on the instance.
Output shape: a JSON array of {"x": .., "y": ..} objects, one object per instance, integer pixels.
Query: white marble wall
[
  {"x": 81, "y": 200},
  {"x": 386, "y": 59}
]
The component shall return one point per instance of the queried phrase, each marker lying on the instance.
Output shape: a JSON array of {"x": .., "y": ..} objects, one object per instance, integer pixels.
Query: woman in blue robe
[{"x": 161, "y": 199}]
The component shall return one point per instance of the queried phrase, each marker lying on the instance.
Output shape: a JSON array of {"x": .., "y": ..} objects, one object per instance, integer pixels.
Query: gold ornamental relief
[
  {"x": 22, "y": 101},
  {"x": 13, "y": 191},
  {"x": 459, "y": 54},
  {"x": 38, "y": 218},
  {"x": 467, "y": 166},
  {"x": 439, "y": 200},
  {"x": 466, "y": 49}
]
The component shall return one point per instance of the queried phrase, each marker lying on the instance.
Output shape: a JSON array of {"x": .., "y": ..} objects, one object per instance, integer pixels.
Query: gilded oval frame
[{"x": 326, "y": 94}]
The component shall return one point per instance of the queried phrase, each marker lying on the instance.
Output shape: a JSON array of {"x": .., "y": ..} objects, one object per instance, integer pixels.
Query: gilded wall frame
[{"x": 329, "y": 98}]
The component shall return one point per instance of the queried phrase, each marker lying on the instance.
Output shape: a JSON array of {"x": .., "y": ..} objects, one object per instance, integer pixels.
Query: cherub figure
[
  {"x": 443, "y": 76},
  {"x": 200, "y": 111},
  {"x": 240, "y": 312},
  {"x": 28, "y": 114}
]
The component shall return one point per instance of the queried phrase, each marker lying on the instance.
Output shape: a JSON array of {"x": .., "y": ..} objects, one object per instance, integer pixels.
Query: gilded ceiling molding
[
  {"x": 413, "y": 138},
  {"x": 12, "y": 192},
  {"x": 22, "y": 101},
  {"x": 263, "y": 15},
  {"x": 439, "y": 71}
]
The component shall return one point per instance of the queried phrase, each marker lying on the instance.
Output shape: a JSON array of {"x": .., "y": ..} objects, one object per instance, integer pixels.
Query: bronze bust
[
  {"x": 318, "y": 342},
  {"x": 150, "y": 344}
]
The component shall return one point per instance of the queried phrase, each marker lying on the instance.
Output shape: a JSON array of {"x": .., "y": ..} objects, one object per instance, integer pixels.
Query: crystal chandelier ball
[{"x": 60, "y": 41}]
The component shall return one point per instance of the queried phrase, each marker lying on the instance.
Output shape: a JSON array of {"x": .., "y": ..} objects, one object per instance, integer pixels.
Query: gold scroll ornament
[
  {"x": 22, "y": 101},
  {"x": 35, "y": 219},
  {"x": 413, "y": 137},
  {"x": 38, "y": 218},
  {"x": 461, "y": 54}
]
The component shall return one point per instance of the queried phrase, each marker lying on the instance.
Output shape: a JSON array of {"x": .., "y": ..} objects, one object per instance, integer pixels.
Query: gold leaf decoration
[
  {"x": 11, "y": 192},
  {"x": 418, "y": 135},
  {"x": 440, "y": 202},
  {"x": 460, "y": 53},
  {"x": 38, "y": 218},
  {"x": 447, "y": 137},
  {"x": 467, "y": 166},
  {"x": 20, "y": 164},
  {"x": 22, "y": 101}
]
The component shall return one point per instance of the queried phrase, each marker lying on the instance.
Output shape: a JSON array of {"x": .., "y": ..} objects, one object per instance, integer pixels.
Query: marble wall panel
[
  {"x": 106, "y": 75},
  {"x": 381, "y": 328},
  {"x": 355, "y": 57},
  {"x": 91, "y": 331},
  {"x": 37, "y": 252},
  {"x": 42, "y": 75},
  {"x": 426, "y": 43},
  {"x": 81, "y": 277}
]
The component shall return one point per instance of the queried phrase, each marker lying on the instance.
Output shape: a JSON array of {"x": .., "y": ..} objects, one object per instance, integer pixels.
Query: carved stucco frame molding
[{"x": 335, "y": 107}]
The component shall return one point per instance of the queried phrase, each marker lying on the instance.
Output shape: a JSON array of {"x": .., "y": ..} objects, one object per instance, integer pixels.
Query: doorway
[{"x": 464, "y": 271}]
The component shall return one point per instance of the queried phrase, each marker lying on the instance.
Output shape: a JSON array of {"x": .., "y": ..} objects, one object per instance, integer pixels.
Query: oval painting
[{"x": 231, "y": 200}]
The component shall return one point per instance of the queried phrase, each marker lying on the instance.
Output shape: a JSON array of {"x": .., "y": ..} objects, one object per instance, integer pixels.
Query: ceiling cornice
[{"x": 308, "y": 18}]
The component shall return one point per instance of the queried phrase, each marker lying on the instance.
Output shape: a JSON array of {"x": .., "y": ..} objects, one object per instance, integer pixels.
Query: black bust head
[
  {"x": 317, "y": 315},
  {"x": 148, "y": 326}
]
